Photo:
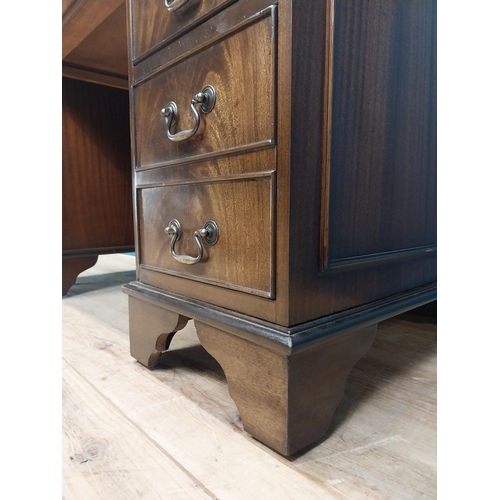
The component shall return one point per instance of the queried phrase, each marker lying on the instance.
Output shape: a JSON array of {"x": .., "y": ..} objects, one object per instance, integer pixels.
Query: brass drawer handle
[
  {"x": 209, "y": 232},
  {"x": 206, "y": 101},
  {"x": 174, "y": 4}
]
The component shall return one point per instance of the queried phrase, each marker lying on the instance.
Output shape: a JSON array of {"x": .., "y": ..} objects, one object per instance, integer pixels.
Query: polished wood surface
[
  {"x": 100, "y": 56},
  {"x": 254, "y": 164},
  {"x": 287, "y": 402},
  {"x": 247, "y": 17},
  {"x": 225, "y": 189},
  {"x": 96, "y": 185},
  {"x": 308, "y": 159},
  {"x": 97, "y": 206},
  {"x": 174, "y": 432},
  {"x": 151, "y": 330},
  {"x": 242, "y": 258},
  {"x": 81, "y": 17},
  {"x": 382, "y": 181},
  {"x": 163, "y": 26},
  {"x": 244, "y": 84},
  {"x": 382, "y": 191},
  {"x": 286, "y": 382},
  {"x": 72, "y": 267},
  {"x": 346, "y": 103}
]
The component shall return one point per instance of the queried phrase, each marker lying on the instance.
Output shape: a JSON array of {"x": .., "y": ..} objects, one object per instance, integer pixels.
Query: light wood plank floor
[{"x": 174, "y": 432}]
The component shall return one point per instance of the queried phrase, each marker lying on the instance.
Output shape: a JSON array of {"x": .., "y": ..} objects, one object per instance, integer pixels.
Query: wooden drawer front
[
  {"x": 242, "y": 207},
  {"x": 240, "y": 67},
  {"x": 154, "y": 25}
]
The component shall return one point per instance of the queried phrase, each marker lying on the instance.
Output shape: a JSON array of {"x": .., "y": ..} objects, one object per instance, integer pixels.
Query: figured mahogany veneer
[
  {"x": 318, "y": 163},
  {"x": 227, "y": 127},
  {"x": 154, "y": 26},
  {"x": 232, "y": 262}
]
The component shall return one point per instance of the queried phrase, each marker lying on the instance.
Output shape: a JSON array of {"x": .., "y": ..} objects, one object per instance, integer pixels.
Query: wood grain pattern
[
  {"x": 242, "y": 258},
  {"x": 82, "y": 18},
  {"x": 244, "y": 82},
  {"x": 255, "y": 163},
  {"x": 96, "y": 181},
  {"x": 101, "y": 57},
  {"x": 102, "y": 454},
  {"x": 287, "y": 402},
  {"x": 151, "y": 330},
  {"x": 302, "y": 291},
  {"x": 382, "y": 188},
  {"x": 154, "y": 26},
  {"x": 311, "y": 292},
  {"x": 203, "y": 436},
  {"x": 207, "y": 34}
]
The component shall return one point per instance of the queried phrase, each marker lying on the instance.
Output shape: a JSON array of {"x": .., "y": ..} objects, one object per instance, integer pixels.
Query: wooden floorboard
[{"x": 174, "y": 432}]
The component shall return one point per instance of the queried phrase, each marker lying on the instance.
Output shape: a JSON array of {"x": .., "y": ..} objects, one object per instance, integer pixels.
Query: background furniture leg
[{"x": 72, "y": 267}]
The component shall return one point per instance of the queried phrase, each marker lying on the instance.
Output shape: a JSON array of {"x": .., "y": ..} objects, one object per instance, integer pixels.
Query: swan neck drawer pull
[
  {"x": 204, "y": 99},
  {"x": 209, "y": 233},
  {"x": 172, "y": 5}
]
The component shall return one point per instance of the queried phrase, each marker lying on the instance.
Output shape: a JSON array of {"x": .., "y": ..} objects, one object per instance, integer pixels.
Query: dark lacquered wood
[
  {"x": 243, "y": 256},
  {"x": 244, "y": 83},
  {"x": 287, "y": 402},
  {"x": 382, "y": 188},
  {"x": 225, "y": 25},
  {"x": 151, "y": 330},
  {"x": 208, "y": 33},
  {"x": 247, "y": 165},
  {"x": 304, "y": 175},
  {"x": 368, "y": 186},
  {"x": 96, "y": 183},
  {"x": 353, "y": 133},
  {"x": 154, "y": 25},
  {"x": 285, "y": 340},
  {"x": 72, "y": 267},
  {"x": 286, "y": 381}
]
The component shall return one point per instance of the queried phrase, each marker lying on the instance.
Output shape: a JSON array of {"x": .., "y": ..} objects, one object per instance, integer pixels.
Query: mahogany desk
[{"x": 284, "y": 170}]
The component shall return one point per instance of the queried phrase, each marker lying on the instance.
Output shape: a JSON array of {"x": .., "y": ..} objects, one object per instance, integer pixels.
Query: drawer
[
  {"x": 240, "y": 67},
  {"x": 154, "y": 25},
  {"x": 242, "y": 207}
]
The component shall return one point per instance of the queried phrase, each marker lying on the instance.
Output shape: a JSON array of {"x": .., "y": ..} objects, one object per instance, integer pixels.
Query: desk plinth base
[
  {"x": 285, "y": 381},
  {"x": 285, "y": 386}
]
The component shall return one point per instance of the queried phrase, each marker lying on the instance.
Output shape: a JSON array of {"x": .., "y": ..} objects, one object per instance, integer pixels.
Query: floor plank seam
[{"x": 146, "y": 435}]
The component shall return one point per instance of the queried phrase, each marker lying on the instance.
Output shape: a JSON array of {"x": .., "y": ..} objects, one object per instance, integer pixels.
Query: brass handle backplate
[
  {"x": 209, "y": 233},
  {"x": 206, "y": 101},
  {"x": 172, "y": 5}
]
